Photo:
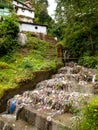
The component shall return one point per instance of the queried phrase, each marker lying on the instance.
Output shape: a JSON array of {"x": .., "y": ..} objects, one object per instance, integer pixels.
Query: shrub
[
  {"x": 90, "y": 119},
  {"x": 10, "y": 26},
  {"x": 4, "y": 65},
  {"x": 87, "y": 61},
  {"x": 8, "y": 34},
  {"x": 26, "y": 64},
  {"x": 7, "y": 44}
]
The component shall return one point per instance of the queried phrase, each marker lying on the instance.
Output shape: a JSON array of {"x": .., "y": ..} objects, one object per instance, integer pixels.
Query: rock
[{"x": 22, "y": 38}]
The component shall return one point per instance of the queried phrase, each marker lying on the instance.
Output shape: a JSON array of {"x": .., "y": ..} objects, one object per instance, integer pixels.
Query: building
[
  {"x": 25, "y": 12},
  {"x": 4, "y": 11}
]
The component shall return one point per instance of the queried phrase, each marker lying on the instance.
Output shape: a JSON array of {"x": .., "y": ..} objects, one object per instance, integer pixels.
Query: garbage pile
[{"x": 70, "y": 88}]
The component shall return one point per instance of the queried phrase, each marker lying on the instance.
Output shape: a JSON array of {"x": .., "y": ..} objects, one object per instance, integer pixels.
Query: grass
[{"x": 20, "y": 64}]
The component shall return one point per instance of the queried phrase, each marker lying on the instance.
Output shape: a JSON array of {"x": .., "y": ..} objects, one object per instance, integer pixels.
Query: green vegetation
[
  {"x": 19, "y": 65},
  {"x": 90, "y": 62},
  {"x": 8, "y": 34},
  {"x": 90, "y": 116},
  {"x": 5, "y": 4},
  {"x": 87, "y": 118},
  {"x": 77, "y": 26},
  {"x": 18, "y": 62}
]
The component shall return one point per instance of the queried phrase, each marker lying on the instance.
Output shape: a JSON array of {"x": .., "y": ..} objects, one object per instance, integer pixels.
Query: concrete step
[{"x": 9, "y": 122}]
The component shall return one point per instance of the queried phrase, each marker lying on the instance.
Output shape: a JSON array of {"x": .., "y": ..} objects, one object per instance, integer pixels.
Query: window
[{"x": 36, "y": 27}]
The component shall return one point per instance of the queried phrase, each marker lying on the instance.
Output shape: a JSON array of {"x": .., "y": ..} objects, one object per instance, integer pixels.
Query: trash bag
[{"x": 12, "y": 107}]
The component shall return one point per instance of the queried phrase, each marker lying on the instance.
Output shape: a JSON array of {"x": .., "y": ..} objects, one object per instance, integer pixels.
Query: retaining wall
[{"x": 35, "y": 118}]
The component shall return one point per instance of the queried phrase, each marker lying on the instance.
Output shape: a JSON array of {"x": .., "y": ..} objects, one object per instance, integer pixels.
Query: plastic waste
[{"x": 12, "y": 107}]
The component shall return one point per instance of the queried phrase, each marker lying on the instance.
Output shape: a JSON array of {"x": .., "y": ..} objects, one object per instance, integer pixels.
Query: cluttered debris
[{"x": 70, "y": 88}]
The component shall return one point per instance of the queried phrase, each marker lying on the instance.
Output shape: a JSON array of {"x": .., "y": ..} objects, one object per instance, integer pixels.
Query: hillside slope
[{"x": 19, "y": 65}]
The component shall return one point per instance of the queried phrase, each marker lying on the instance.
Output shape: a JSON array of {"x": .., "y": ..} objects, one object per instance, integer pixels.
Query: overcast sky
[{"x": 52, "y": 7}]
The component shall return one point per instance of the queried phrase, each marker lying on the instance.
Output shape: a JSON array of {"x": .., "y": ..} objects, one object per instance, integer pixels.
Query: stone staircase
[{"x": 52, "y": 52}]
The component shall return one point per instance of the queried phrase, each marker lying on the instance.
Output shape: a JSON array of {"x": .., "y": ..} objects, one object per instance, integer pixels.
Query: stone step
[
  {"x": 9, "y": 122},
  {"x": 51, "y": 53}
]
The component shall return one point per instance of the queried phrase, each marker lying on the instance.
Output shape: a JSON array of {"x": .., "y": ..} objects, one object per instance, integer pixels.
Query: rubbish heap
[{"x": 67, "y": 90}]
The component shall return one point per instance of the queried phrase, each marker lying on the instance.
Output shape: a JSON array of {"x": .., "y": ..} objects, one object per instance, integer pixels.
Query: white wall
[
  {"x": 25, "y": 19},
  {"x": 33, "y": 28},
  {"x": 25, "y": 13}
]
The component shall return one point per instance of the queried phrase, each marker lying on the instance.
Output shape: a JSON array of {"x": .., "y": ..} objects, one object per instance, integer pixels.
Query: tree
[
  {"x": 81, "y": 25},
  {"x": 8, "y": 34}
]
